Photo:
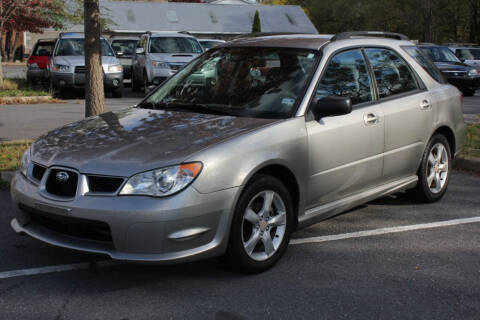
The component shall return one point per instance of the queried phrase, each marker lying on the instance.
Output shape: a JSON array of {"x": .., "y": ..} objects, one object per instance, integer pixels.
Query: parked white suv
[
  {"x": 160, "y": 55},
  {"x": 67, "y": 66}
]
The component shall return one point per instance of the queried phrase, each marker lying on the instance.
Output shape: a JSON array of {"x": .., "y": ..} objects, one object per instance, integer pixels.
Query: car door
[
  {"x": 345, "y": 152},
  {"x": 408, "y": 111}
]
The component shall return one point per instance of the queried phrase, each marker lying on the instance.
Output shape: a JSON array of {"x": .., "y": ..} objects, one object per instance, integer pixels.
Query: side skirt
[{"x": 330, "y": 209}]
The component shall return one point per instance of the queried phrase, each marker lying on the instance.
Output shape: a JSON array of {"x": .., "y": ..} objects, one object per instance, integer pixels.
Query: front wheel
[
  {"x": 468, "y": 92},
  {"x": 261, "y": 226},
  {"x": 117, "y": 92},
  {"x": 435, "y": 169}
]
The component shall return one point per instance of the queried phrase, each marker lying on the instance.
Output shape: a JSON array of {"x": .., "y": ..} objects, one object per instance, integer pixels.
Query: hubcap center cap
[{"x": 263, "y": 225}]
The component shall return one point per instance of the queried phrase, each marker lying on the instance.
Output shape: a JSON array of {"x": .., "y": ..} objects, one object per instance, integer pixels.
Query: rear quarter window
[{"x": 425, "y": 63}]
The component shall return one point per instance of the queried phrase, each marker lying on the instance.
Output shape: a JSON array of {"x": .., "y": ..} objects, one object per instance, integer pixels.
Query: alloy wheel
[
  {"x": 437, "y": 168},
  {"x": 264, "y": 225}
]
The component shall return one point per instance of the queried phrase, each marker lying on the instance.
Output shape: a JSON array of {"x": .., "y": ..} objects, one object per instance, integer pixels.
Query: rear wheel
[
  {"x": 435, "y": 169},
  {"x": 261, "y": 226}
]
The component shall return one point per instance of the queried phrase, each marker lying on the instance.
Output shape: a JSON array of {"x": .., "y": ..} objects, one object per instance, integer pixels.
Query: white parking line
[
  {"x": 359, "y": 234},
  {"x": 59, "y": 268},
  {"x": 375, "y": 232}
]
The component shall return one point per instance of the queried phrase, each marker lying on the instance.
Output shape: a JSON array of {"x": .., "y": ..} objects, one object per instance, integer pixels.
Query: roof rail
[
  {"x": 353, "y": 34},
  {"x": 266, "y": 34}
]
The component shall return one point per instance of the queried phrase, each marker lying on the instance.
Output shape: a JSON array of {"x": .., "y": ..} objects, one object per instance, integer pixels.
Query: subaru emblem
[{"x": 62, "y": 176}]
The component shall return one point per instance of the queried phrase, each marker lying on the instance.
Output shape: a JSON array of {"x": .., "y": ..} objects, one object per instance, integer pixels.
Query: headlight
[
  {"x": 473, "y": 72},
  {"x": 25, "y": 162},
  {"x": 115, "y": 68},
  {"x": 162, "y": 182},
  {"x": 160, "y": 65},
  {"x": 61, "y": 68}
]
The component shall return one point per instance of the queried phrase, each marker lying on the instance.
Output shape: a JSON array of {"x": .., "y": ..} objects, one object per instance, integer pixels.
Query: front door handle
[
  {"x": 370, "y": 118},
  {"x": 425, "y": 104}
]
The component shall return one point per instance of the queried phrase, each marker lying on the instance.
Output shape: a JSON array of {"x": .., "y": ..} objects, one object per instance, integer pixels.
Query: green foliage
[
  {"x": 257, "y": 26},
  {"x": 425, "y": 20}
]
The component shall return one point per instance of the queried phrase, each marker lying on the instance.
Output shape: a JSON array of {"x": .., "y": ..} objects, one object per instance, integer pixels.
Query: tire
[
  {"x": 250, "y": 232},
  {"x": 135, "y": 86},
  {"x": 117, "y": 92},
  {"x": 468, "y": 92},
  {"x": 432, "y": 179}
]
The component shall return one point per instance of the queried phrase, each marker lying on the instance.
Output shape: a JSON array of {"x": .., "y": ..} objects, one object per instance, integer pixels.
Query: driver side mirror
[
  {"x": 139, "y": 51},
  {"x": 331, "y": 106}
]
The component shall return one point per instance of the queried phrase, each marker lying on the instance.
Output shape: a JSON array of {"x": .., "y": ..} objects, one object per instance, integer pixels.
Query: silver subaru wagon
[{"x": 248, "y": 142}]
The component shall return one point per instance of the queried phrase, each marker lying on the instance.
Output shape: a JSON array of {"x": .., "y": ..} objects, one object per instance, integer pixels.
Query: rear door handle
[
  {"x": 370, "y": 118},
  {"x": 425, "y": 104}
]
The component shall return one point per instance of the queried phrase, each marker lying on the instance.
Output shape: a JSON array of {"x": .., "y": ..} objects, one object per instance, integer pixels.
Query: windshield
[
  {"x": 468, "y": 54},
  {"x": 248, "y": 82},
  {"x": 75, "y": 47},
  {"x": 439, "y": 54},
  {"x": 126, "y": 47},
  {"x": 174, "y": 45},
  {"x": 43, "y": 49}
]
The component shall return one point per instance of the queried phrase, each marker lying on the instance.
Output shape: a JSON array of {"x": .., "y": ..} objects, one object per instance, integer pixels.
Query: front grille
[
  {"x": 455, "y": 73},
  {"x": 100, "y": 184},
  {"x": 74, "y": 227},
  {"x": 80, "y": 69},
  {"x": 176, "y": 66},
  {"x": 38, "y": 171},
  {"x": 67, "y": 188}
]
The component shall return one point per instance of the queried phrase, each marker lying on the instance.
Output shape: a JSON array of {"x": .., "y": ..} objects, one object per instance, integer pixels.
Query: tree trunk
[
  {"x": 1, "y": 69},
  {"x": 94, "y": 94}
]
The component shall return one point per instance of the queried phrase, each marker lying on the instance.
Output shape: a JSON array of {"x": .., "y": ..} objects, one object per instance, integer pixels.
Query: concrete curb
[
  {"x": 26, "y": 100},
  {"x": 467, "y": 164}
]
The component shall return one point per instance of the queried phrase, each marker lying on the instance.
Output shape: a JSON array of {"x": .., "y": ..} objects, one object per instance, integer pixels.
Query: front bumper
[
  {"x": 35, "y": 75},
  {"x": 186, "y": 226},
  {"x": 464, "y": 82},
  {"x": 78, "y": 80}
]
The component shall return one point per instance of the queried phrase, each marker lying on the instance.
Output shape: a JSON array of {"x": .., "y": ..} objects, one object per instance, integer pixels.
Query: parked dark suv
[{"x": 461, "y": 75}]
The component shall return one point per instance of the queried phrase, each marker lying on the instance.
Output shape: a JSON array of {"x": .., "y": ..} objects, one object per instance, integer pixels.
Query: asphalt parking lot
[{"x": 358, "y": 265}]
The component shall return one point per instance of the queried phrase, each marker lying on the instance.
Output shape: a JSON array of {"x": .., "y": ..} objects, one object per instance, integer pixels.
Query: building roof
[{"x": 198, "y": 18}]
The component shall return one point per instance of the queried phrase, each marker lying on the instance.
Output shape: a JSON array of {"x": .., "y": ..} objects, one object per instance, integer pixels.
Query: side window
[
  {"x": 347, "y": 76},
  {"x": 426, "y": 63},
  {"x": 391, "y": 72}
]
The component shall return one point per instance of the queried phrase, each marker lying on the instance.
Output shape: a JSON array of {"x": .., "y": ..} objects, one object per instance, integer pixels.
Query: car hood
[
  {"x": 454, "y": 66},
  {"x": 128, "y": 141},
  {"x": 80, "y": 60},
  {"x": 174, "y": 57}
]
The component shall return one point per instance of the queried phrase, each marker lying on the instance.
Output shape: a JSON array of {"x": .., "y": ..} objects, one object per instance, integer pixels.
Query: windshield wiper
[{"x": 196, "y": 107}]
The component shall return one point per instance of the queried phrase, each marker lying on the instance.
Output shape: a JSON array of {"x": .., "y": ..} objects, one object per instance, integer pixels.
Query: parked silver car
[
  {"x": 67, "y": 66},
  {"x": 159, "y": 56},
  {"x": 285, "y": 132},
  {"x": 124, "y": 48}
]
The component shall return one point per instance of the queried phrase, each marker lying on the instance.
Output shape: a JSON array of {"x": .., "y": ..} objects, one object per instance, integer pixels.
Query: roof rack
[
  {"x": 266, "y": 34},
  {"x": 354, "y": 34}
]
